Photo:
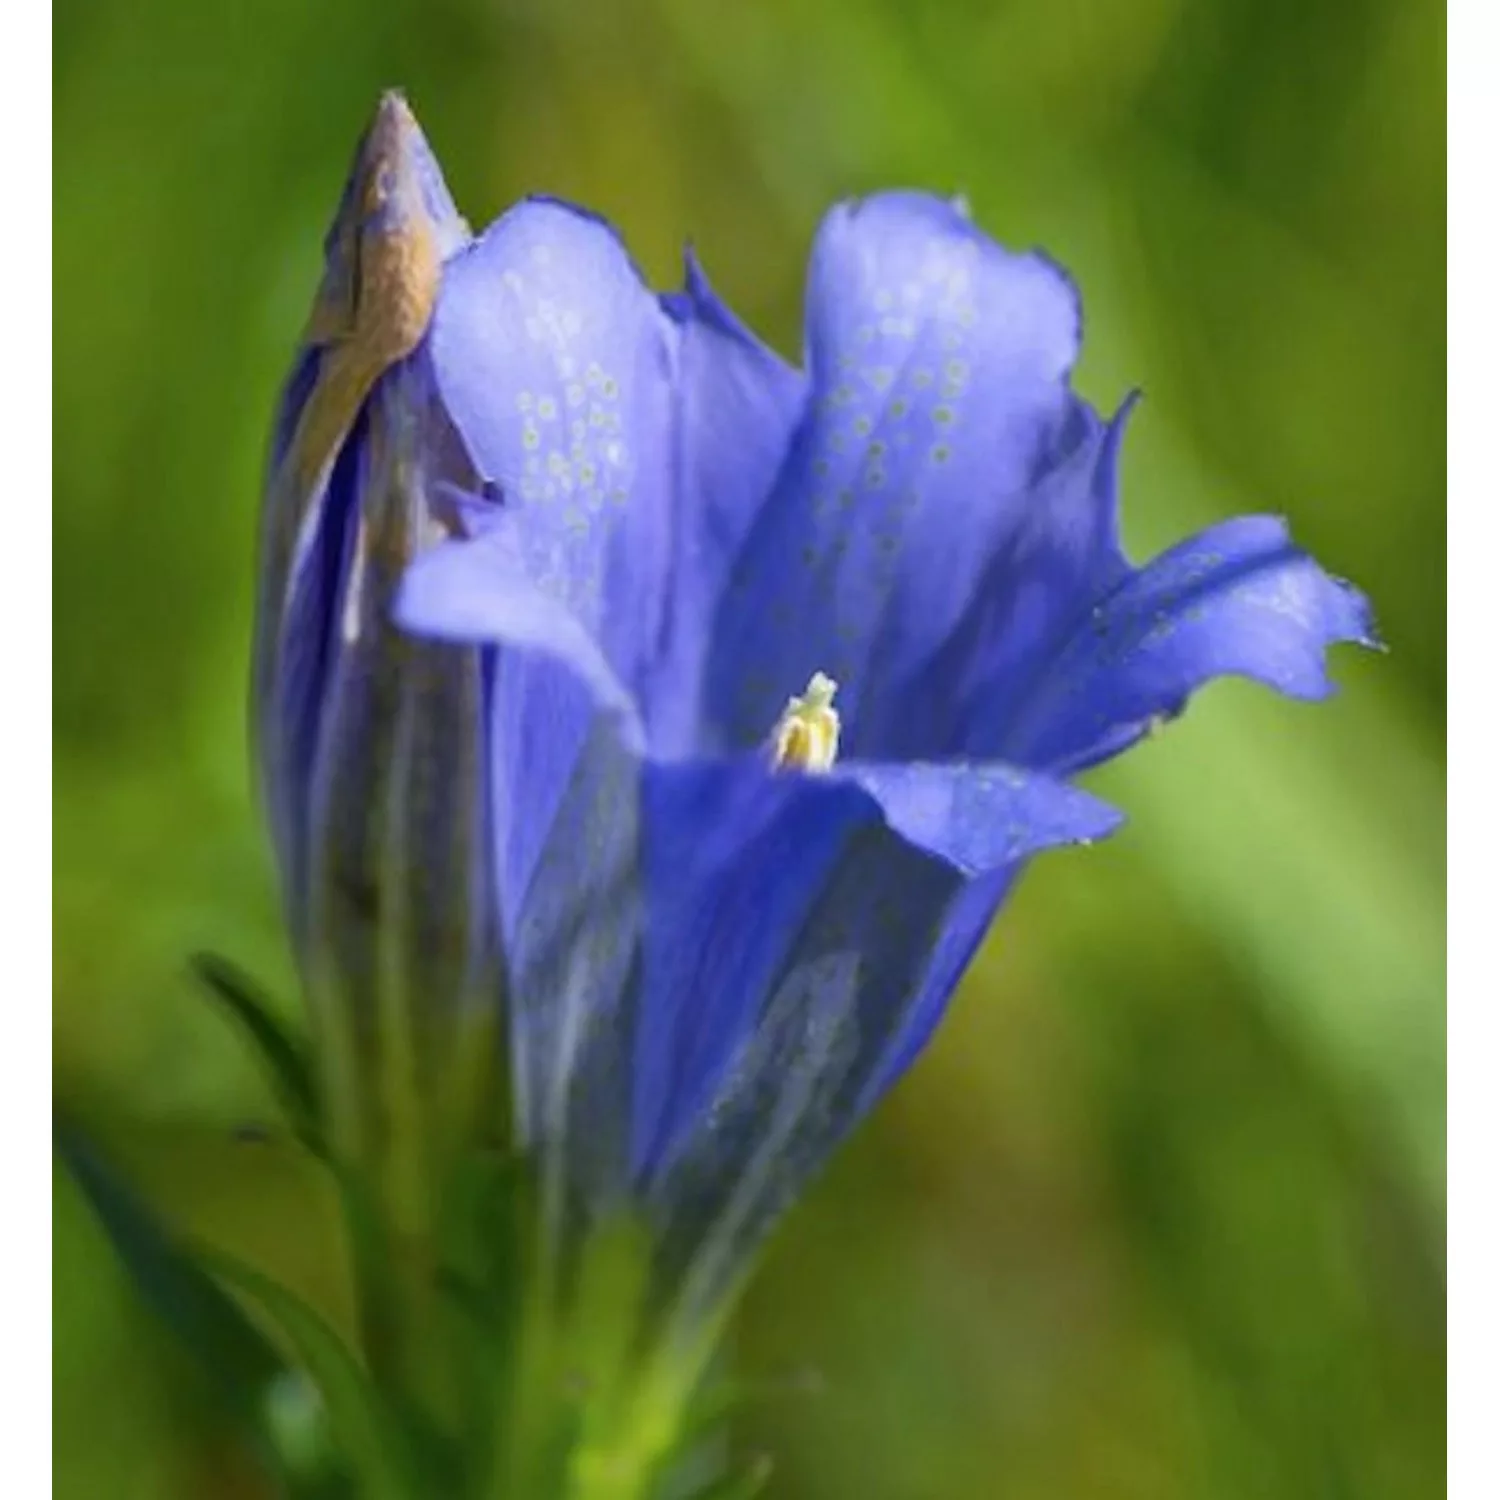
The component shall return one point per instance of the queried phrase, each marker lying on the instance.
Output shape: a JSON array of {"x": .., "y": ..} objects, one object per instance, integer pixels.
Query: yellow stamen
[{"x": 807, "y": 734}]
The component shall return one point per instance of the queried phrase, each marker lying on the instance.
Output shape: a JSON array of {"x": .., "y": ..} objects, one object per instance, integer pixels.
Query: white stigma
[{"x": 806, "y": 737}]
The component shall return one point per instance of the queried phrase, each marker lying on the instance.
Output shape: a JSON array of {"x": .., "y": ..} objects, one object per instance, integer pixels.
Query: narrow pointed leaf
[
  {"x": 283, "y": 1055},
  {"x": 366, "y": 1433},
  {"x": 239, "y": 1363}
]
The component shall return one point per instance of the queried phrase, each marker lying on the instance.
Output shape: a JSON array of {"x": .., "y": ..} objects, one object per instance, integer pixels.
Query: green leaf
[
  {"x": 284, "y": 1055},
  {"x": 367, "y": 1434},
  {"x": 239, "y": 1362}
]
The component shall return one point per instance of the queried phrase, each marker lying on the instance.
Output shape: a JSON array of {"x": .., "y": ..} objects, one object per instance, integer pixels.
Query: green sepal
[
  {"x": 486, "y": 1209},
  {"x": 283, "y": 1055},
  {"x": 238, "y": 1362},
  {"x": 483, "y": 1254},
  {"x": 369, "y": 1438}
]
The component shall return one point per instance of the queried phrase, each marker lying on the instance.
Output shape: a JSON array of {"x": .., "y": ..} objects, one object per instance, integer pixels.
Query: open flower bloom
[{"x": 733, "y": 902}]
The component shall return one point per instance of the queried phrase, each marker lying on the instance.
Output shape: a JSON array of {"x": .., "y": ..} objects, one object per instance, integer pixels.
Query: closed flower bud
[{"x": 367, "y": 740}]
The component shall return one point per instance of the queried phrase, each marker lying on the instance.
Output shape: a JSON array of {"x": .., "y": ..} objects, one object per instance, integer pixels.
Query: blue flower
[
  {"x": 368, "y": 743},
  {"x": 733, "y": 911}
]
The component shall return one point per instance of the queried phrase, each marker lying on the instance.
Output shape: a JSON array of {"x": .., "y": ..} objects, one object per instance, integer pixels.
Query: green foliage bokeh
[{"x": 1161, "y": 1213}]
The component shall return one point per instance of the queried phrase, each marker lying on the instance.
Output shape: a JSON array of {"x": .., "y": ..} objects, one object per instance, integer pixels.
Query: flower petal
[
  {"x": 965, "y": 924},
  {"x": 794, "y": 963},
  {"x": 741, "y": 858},
  {"x": 981, "y": 817},
  {"x": 737, "y": 407},
  {"x": 555, "y": 363},
  {"x": 735, "y": 860},
  {"x": 939, "y": 364},
  {"x": 1239, "y": 599},
  {"x": 478, "y": 592},
  {"x": 565, "y": 751},
  {"x": 1060, "y": 554},
  {"x": 776, "y": 1055},
  {"x": 565, "y": 762}
]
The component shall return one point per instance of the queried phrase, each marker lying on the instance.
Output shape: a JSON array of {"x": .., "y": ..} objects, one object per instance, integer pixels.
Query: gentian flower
[
  {"x": 787, "y": 673},
  {"x": 666, "y": 724},
  {"x": 367, "y": 741}
]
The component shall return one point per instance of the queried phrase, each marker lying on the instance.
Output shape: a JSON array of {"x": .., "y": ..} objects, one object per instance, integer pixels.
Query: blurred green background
[{"x": 1161, "y": 1214}]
